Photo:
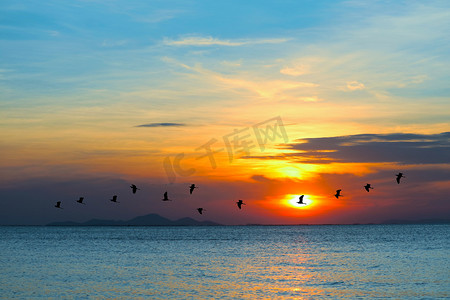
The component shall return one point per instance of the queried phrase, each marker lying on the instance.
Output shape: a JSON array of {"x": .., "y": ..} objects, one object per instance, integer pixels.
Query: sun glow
[
  {"x": 292, "y": 200},
  {"x": 290, "y": 172}
]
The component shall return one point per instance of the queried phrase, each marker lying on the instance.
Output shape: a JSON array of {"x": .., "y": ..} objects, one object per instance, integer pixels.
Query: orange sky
[{"x": 359, "y": 95}]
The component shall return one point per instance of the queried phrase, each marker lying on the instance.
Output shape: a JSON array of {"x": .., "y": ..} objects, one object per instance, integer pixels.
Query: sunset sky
[{"x": 97, "y": 95}]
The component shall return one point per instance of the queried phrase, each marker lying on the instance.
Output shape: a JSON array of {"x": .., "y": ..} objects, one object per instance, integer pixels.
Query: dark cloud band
[
  {"x": 368, "y": 148},
  {"x": 161, "y": 125}
]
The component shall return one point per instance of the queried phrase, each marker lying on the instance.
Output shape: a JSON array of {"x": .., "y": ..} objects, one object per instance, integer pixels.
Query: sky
[{"x": 262, "y": 101}]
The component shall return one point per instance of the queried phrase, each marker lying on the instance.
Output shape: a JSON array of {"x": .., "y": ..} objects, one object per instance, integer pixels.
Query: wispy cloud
[
  {"x": 295, "y": 70},
  {"x": 263, "y": 87},
  {"x": 210, "y": 41},
  {"x": 161, "y": 125},
  {"x": 355, "y": 85}
]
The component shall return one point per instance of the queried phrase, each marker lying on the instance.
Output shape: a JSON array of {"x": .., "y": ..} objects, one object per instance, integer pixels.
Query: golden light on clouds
[
  {"x": 203, "y": 103},
  {"x": 290, "y": 172}
]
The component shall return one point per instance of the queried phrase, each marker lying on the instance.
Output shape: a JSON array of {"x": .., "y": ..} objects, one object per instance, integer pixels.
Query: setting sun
[{"x": 293, "y": 201}]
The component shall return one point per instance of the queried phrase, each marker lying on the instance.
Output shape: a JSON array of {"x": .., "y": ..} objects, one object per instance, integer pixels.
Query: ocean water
[{"x": 234, "y": 262}]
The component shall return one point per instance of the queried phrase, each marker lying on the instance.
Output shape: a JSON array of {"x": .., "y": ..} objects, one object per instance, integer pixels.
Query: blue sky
[{"x": 85, "y": 45}]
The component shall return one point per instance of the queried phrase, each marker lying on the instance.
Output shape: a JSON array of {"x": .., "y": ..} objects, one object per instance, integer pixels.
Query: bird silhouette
[
  {"x": 399, "y": 175},
  {"x": 58, "y": 204},
  {"x": 114, "y": 199},
  {"x": 200, "y": 210},
  {"x": 239, "y": 203},
  {"x": 338, "y": 194},
  {"x": 192, "y": 187},
  {"x": 368, "y": 187},
  {"x": 165, "y": 197},
  {"x": 81, "y": 200},
  {"x": 134, "y": 188},
  {"x": 300, "y": 200}
]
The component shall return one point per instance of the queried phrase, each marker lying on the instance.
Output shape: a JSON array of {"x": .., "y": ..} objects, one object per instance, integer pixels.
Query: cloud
[
  {"x": 295, "y": 70},
  {"x": 401, "y": 148},
  {"x": 355, "y": 85},
  {"x": 210, "y": 41},
  {"x": 310, "y": 99},
  {"x": 261, "y": 178},
  {"x": 161, "y": 125},
  {"x": 232, "y": 63},
  {"x": 263, "y": 87},
  {"x": 398, "y": 147}
]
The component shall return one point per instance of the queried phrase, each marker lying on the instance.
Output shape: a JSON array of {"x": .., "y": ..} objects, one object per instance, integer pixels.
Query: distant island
[{"x": 147, "y": 220}]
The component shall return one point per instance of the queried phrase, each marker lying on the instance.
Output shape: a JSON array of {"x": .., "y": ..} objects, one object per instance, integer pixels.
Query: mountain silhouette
[{"x": 147, "y": 220}]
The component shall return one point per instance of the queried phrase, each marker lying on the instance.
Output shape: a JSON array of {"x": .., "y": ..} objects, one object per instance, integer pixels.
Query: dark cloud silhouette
[
  {"x": 370, "y": 148},
  {"x": 161, "y": 125},
  {"x": 260, "y": 178}
]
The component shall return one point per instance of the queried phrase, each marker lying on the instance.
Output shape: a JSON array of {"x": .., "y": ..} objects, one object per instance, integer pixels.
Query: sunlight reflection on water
[{"x": 254, "y": 262}]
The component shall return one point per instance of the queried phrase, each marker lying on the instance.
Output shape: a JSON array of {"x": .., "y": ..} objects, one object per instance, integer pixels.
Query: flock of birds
[
  {"x": 367, "y": 187},
  {"x": 134, "y": 189},
  {"x": 239, "y": 203}
]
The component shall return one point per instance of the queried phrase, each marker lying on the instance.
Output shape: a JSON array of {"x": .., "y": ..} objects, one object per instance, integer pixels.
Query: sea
[{"x": 225, "y": 262}]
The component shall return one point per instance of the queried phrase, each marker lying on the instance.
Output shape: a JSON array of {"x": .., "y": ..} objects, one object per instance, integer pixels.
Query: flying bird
[
  {"x": 114, "y": 199},
  {"x": 192, "y": 187},
  {"x": 200, "y": 210},
  {"x": 399, "y": 175},
  {"x": 165, "y": 197},
  {"x": 81, "y": 200},
  {"x": 134, "y": 188},
  {"x": 338, "y": 194},
  {"x": 58, "y": 204},
  {"x": 300, "y": 200},
  {"x": 239, "y": 203},
  {"x": 368, "y": 187}
]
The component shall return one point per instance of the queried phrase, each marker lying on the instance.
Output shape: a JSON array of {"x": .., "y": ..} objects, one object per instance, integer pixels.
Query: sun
[{"x": 292, "y": 200}]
